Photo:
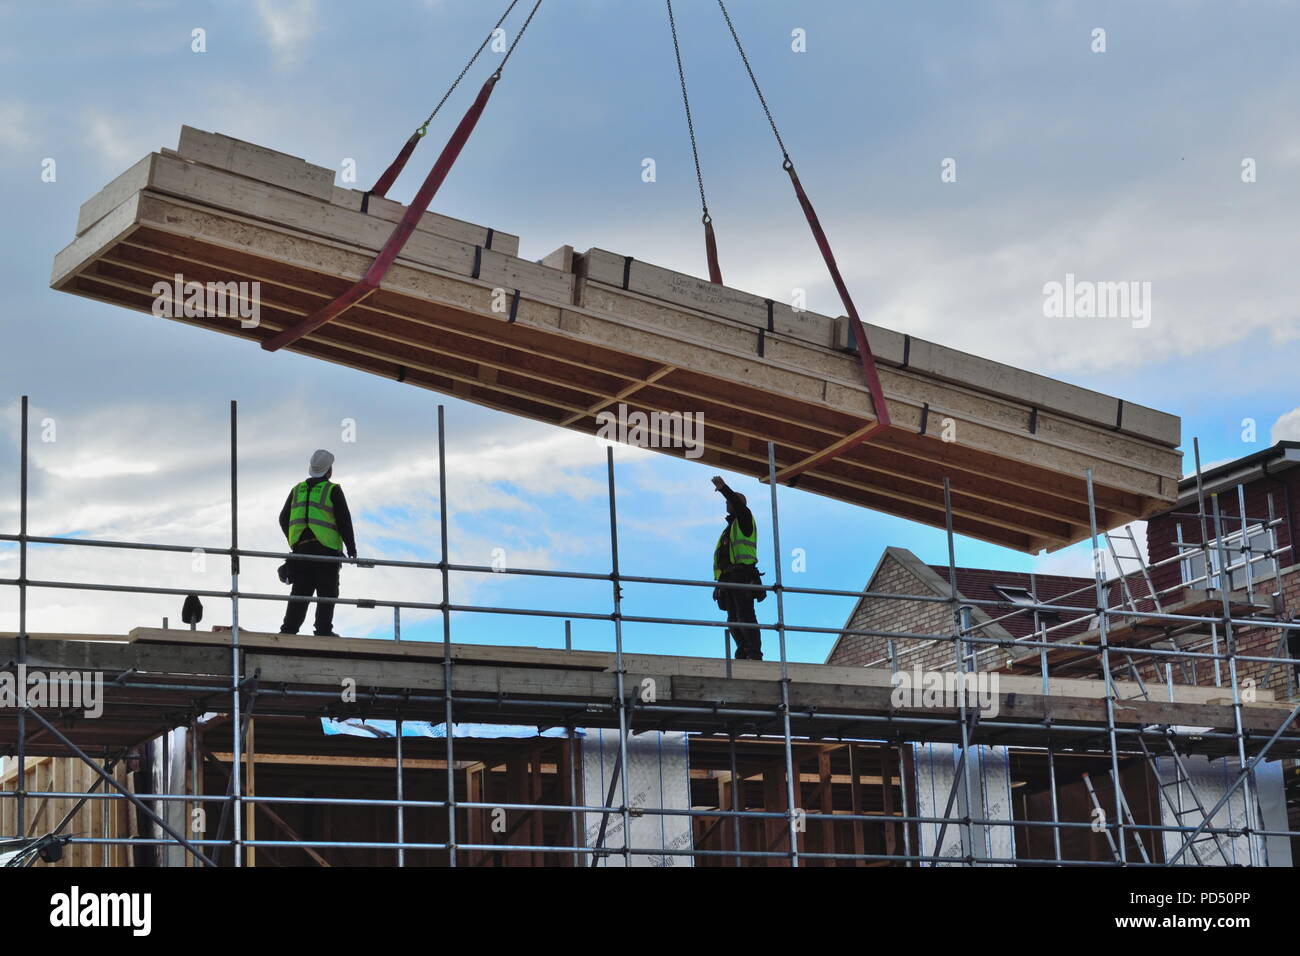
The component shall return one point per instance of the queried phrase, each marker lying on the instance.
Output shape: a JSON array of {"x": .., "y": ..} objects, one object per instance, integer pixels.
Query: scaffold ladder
[
  {"x": 1135, "y": 554},
  {"x": 1127, "y": 818},
  {"x": 1181, "y": 777}
]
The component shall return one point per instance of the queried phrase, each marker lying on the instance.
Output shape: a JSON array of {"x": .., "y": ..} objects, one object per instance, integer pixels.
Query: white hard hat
[{"x": 321, "y": 462}]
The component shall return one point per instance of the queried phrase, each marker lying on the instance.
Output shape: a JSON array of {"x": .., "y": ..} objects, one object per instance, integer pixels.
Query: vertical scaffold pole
[
  {"x": 576, "y": 819},
  {"x": 737, "y": 788},
  {"x": 1247, "y": 552},
  {"x": 196, "y": 780},
  {"x": 619, "y": 674},
  {"x": 236, "y": 723},
  {"x": 961, "y": 621},
  {"x": 1040, "y": 635},
  {"x": 964, "y": 668},
  {"x": 905, "y": 795},
  {"x": 448, "y": 709},
  {"x": 1051, "y": 782},
  {"x": 1230, "y": 644},
  {"x": 20, "y": 781},
  {"x": 401, "y": 806},
  {"x": 1098, "y": 567},
  {"x": 790, "y": 798}
]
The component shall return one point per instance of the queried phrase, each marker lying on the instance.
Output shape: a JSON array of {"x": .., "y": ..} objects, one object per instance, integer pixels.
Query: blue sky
[{"x": 1117, "y": 165}]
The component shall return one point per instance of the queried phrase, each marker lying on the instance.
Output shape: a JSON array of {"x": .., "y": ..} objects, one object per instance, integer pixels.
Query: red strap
[
  {"x": 393, "y": 247},
  {"x": 711, "y": 249},
  {"x": 395, "y": 168},
  {"x": 859, "y": 333}
]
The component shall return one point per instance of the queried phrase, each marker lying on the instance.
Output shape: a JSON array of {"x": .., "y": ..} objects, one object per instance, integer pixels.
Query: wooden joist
[{"x": 578, "y": 336}]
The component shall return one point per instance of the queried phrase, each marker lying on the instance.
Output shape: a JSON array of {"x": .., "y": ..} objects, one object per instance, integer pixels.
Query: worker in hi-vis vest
[
  {"x": 735, "y": 560},
  {"x": 316, "y": 520}
]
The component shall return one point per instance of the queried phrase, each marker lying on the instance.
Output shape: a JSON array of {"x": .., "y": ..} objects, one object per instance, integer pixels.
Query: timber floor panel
[{"x": 575, "y": 348}]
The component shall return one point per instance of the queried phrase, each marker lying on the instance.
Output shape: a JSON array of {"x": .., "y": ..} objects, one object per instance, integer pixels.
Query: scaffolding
[{"x": 784, "y": 723}]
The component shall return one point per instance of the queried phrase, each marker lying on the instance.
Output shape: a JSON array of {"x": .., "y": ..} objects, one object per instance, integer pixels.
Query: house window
[
  {"x": 1021, "y": 597},
  {"x": 1261, "y": 540}
]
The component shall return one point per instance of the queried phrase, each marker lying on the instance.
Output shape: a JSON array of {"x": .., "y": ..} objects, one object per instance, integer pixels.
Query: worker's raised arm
[
  {"x": 735, "y": 500},
  {"x": 736, "y": 505}
]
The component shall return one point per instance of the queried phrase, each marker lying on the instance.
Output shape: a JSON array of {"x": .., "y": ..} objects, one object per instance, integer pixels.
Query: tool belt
[{"x": 739, "y": 574}]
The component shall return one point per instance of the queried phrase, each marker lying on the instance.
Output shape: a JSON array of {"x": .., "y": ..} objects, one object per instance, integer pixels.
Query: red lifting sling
[
  {"x": 420, "y": 204},
  {"x": 859, "y": 339},
  {"x": 393, "y": 247},
  {"x": 868, "y": 360}
]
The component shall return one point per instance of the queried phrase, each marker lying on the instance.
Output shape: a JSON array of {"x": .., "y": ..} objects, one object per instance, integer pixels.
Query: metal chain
[
  {"x": 472, "y": 59},
  {"x": 785, "y": 155},
  {"x": 518, "y": 36},
  {"x": 690, "y": 125}
]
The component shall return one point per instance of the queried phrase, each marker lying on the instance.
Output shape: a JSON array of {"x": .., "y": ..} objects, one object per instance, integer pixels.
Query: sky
[{"x": 1122, "y": 164}]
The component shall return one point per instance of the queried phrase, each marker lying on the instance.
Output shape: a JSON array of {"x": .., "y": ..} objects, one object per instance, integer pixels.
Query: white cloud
[
  {"x": 1287, "y": 427},
  {"x": 16, "y": 131},
  {"x": 289, "y": 25},
  {"x": 941, "y": 276},
  {"x": 127, "y": 472},
  {"x": 1076, "y": 560},
  {"x": 118, "y": 140}
]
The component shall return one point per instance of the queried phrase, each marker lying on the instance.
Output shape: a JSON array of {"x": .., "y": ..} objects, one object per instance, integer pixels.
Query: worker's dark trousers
[
  {"x": 320, "y": 578},
  {"x": 739, "y": 606}
]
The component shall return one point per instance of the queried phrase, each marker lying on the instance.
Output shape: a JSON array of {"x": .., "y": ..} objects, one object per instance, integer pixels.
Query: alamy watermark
[
  {"x": 62, "y": 690},
  {"x": 190, "y": 299},
  {"x": 653, "y": 429},
  {"x": 1085, "y": 299},
  {"x": 922, "y": 689},
  {"x": 77, "y": 909}
]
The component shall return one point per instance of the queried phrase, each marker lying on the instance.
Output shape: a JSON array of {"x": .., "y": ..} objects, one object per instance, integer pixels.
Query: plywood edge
[
  {"x": 392, "y": 211},
  {"x": 717, "y": 301},
  {"x": 267, "y": 641},
  {"x": 664, "y": 665},
  {"x": 1030, "y": 388},
  {"x": 223, "y": 193},
  {"x": 256, "y": 162},
  {"x": 106, "y": 231},
  {"x": 888, "y": 346},
  {"x": 100, "y": 638},
  {"x": 112, "y": 195}
]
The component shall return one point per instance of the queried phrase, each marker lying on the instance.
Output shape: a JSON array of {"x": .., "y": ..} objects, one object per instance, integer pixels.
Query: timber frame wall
[{"x": 159, "y": 680}]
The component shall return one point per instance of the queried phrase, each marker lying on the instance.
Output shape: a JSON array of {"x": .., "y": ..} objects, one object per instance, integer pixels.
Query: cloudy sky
[{"x": 1117, "y": 165}]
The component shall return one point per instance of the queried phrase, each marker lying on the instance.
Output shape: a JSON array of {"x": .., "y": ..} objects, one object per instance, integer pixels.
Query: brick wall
[
  {"x": 1263, "y": 642},
  {"x": 913, "y": 617},
  {"x": 1162, "y": 530}
]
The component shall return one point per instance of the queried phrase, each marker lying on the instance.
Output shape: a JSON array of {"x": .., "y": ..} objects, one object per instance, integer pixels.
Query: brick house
[
  {"x": 901, "y": 572},
  {"x": 1254, "y": 557},
  {"x": 1268, "y": 584},
  {"x": 1268, "y": 482}
]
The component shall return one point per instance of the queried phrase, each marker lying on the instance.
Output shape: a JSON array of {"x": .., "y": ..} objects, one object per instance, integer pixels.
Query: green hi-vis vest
[
  {"x": 313, "y": 509},
  {"x": 734, "y": 547}
]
